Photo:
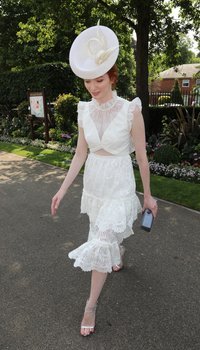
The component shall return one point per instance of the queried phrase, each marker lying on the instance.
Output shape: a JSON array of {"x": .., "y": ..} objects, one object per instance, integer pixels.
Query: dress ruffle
[
  {"x": 110, "y": 223},
  {"x": 112, "y": 205},
  {"x": 111, "y": 214},
  {"x": 96, "y": 254},
  {"x": 136, "y": 102}
]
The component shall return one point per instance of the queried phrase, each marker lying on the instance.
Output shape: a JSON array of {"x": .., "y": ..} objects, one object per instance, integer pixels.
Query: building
[{"x": 188, "y": 76}]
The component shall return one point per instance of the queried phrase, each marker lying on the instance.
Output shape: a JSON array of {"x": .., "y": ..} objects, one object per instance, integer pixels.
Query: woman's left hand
[{"x": 150, "y": 203}]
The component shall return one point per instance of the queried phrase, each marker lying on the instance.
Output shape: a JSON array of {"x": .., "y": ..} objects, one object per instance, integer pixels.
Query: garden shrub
[
  {"x": 156, "y": 114},
  {"x": 39, "y": 131},
  {"x": 23, "y": 109},
  {"x": 182, "y": 131},
  {"x": 66, "y": 112},
  {"x": 167, "y": 154},
  {"x": 53, "y": 134},
  {"x": 176, "y": 96},
  {"x": 16, "y": 123},
  {"x": 164, "y": 99}
]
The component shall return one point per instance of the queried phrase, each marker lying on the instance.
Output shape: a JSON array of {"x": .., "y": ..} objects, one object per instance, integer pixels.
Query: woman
[{"x": 111, "y": 127}]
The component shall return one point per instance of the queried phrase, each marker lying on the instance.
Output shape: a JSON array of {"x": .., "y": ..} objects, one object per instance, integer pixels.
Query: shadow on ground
[{"x": 152, "y": 304}]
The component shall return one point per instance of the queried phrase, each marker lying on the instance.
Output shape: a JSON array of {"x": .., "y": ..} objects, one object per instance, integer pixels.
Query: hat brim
[{"x": 82, "y": 63}]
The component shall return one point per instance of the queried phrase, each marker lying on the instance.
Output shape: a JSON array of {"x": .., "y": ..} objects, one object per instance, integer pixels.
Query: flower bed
[
  {"x": 39, "y": 143},
  {"x": 176, "y": 171},
  {"x": 180, "y": 172}
]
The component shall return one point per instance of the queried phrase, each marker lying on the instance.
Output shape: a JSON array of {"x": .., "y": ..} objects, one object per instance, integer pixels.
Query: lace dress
[{"x": 108, "y": 196}]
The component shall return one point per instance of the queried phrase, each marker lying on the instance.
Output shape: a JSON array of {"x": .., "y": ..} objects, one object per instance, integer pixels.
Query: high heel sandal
[
  {"x": 119, "y": 267},
  {"x": 91, "y": 328}
]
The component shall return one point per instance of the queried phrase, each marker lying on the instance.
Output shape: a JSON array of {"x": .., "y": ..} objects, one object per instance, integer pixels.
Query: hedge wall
[
  {"x": 156, "y": 114},
  {"x": 55, "y": 77}
]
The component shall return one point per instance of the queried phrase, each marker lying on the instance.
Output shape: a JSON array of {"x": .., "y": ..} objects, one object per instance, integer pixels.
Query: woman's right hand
[{"x": 56, "y": 202}]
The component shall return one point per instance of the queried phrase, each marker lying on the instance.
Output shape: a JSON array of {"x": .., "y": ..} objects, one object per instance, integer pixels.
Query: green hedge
[
  {"x": 167, "y": 154},
  {"x": 156, "y": 114},
  {"x": 57, "y": 78}
]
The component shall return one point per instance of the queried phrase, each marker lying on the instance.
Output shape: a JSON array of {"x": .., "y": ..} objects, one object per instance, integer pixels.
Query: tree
[
  {"x": 48, "y": 35},
  {"x": 156, "y": 30},
  {"x": 159, "y": 62},
  {"x": 40, "y": 35},
  {"x": 176, "y": 94},
  {"x": 11, "y": 13}
]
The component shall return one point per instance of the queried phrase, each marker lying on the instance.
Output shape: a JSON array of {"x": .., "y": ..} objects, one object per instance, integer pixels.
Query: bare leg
[
  {"x": 97, "y": 282},
  {"x": 119, "y": 267}
]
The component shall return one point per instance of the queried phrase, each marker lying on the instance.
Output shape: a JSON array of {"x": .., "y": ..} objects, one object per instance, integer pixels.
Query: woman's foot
[
  {"x": 117, "y": 268},
  {"x": 88, "y": 321}
]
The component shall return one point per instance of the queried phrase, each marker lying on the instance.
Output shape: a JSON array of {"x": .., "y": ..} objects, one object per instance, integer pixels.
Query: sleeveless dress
[{"x": 108, "y": 195}]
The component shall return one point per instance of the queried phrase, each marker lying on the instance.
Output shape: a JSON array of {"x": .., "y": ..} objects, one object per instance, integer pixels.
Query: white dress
[{"x": 108, "y": 196}]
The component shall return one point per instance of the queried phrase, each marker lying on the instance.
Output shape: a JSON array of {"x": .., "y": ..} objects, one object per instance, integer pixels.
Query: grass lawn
[
  {"x": 176, "y": 191},
  {"x": 44, "y": 155}
]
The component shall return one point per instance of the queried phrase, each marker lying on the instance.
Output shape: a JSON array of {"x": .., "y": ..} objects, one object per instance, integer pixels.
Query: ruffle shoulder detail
[
  {"x": 136, "y": 102},
  {"x": 81, "y": 107}
]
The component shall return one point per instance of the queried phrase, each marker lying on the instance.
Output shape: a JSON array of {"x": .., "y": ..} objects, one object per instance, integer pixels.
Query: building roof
[{"x": 182, "y": 71}]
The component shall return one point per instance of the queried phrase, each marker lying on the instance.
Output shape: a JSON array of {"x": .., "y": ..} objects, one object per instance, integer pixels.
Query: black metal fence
[{"x": 165, "y": 99}]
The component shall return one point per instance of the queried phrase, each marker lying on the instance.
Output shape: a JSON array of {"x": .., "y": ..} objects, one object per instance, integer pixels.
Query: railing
[{"x": 165, "y": 99}]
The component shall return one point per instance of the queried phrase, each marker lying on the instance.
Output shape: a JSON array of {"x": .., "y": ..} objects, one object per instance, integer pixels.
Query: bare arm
[
  {"x": 76, "y": 164},
  {"x": 138, "y": 135}
]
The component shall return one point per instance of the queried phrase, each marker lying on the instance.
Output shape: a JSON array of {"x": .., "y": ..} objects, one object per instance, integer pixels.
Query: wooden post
[
  {"x": 30, "y": 118},
  {"x": 46, "y": 123}
]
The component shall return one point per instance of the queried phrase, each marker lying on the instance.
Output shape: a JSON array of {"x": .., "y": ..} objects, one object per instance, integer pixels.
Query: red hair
[{"x": 113, "y": 75}]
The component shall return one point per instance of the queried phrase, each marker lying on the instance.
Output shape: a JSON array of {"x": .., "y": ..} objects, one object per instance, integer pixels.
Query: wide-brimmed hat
[{"x": 94, "y": 52}]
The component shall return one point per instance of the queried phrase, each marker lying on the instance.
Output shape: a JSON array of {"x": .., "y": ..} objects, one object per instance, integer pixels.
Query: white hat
[{"x": 94, "y": 52}]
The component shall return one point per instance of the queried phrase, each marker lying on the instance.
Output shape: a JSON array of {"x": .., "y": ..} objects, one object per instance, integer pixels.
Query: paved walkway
[{"x": 153, "y": 304}]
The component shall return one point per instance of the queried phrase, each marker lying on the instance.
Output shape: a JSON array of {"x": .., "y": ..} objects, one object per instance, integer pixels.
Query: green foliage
[
  {"x": 40, "y": 32},
  {"x": 164, "y": 99},
  {"x": 167, "y": 154},
  {"x": 74, "y": 136},
  {"x": 184, "y": 54},
  {"x": 66, "y": 112},
  {"x": 49, "y": 26},
  {"x": 55, "y": 77},
  {"x": 39, "y": 131},
  {"x": 183, "y": 132},
  {"x": 22, "y": 109},
  {"x": 197, "y": 148},
  {"x": 176, "y": 94},
  {"x": 157, "y": 64},
  {"x": 53, "y": 134},
  {"x": 70, "y": 139},
  {"x": 16, "y": 123},
  {"x": 46, "y": 30},
  {"x": 21, "y": 124}
]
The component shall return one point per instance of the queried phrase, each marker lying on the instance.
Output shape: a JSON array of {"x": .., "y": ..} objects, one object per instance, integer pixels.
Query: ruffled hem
[
  {"x": 96, "y": 255},
  {"x": 114, "y": 214},
  {"x": 110, "y": 223}
]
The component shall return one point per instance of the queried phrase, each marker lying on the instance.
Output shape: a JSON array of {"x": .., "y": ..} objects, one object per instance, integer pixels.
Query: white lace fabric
[
  {"x": 109, "y": 196},
  {"x": 103, "y": 114},
  {"x": 110, "y": 201}
]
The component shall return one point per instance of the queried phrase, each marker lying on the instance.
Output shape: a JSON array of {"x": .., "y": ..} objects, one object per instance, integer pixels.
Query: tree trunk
[{"x": 142, "y": 32}]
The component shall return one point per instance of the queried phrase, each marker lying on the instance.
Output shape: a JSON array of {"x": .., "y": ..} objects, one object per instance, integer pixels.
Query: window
[
  {"x": 185, "y": 83},
  {"x": 198, "y": 82}
]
